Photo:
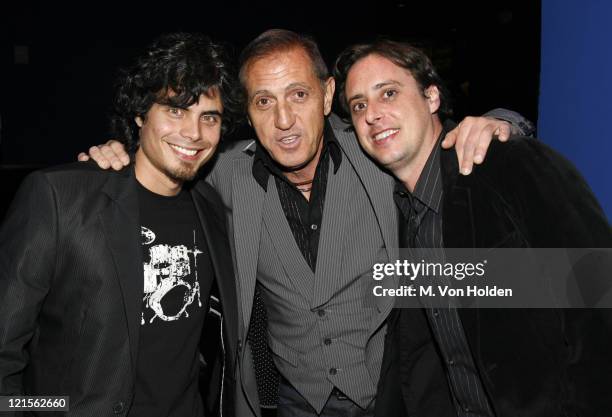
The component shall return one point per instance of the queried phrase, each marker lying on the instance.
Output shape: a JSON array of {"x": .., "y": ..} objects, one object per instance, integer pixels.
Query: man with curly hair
[
  {"x": 102, "y": 298},
  {"x": 308, "y": 214}
]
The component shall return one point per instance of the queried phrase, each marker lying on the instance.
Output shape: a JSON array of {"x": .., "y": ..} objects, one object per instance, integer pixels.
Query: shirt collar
[
  {"x": 428, "y": 189},
  {"x": 264, "y": 165}
]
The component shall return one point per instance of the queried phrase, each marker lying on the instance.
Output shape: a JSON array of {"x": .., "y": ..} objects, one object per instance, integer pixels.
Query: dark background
[{"x": 59, "y": 61}]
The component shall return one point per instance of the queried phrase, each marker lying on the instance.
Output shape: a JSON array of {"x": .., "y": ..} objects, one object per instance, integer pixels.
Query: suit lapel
[
  {"x": 248, "y": 199},
  {"x": 458, "y": 226},
  {"x": 218, "y": 247},
  {"x": 457, "y": 222},
  {"x": 328, "y": 275},
  {"x": 284, "y": 242},
  {"x": 120, "y": 223},
  {"x": 379, "y": 187}
]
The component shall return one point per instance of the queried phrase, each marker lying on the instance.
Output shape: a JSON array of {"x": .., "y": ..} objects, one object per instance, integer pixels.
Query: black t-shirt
[{"x": 178, "y": 275}]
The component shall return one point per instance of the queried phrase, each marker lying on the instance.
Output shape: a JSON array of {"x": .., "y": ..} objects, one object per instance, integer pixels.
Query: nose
[
  {"x": 372, "y": 114},
  {"x": 284, "y": 118},
  {"x": 190, "y": 128}
]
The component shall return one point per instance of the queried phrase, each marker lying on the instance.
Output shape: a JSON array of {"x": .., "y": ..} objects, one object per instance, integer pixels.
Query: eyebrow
[
  {"x": 289, "y": 87},
  {"x": 211, "y": 113},
  {"x": 256, "y": 93},
  {"x": 301, "y": 85},
  {"x": 168, "y": 104},
  {"x": 377, "y": 87},
  {"x": 203, "y": 113},
  {"x": 186, "y": 108}
]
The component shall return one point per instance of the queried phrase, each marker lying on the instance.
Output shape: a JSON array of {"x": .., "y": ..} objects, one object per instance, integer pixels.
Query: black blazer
[
  {"x": 533, "y": 362},
  {"x": 70, "y": 293}
]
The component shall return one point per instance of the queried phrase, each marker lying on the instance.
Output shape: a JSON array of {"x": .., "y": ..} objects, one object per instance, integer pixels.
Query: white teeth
[
  {"x": 184, "y": 151},
  {"x": 385, "y": 134}
]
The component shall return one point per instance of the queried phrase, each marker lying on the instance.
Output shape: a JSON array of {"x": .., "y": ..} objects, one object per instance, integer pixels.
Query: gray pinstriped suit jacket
[{"x": 359, "y": 228}]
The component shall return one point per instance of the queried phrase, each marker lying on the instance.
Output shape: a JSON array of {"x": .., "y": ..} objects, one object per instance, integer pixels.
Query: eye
[
  {"x": 300, "y": 94},
  {"x": 175, "y": 111},
  {"x": 390, "y": 93},
  {"x": 262, "y": 102},
  {"x": 210, "y": 119},
  {"x": 357, "y": 107}
]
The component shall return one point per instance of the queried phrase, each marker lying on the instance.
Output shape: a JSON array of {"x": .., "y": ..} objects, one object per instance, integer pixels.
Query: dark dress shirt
[
  {"x": 304, "y": 216},
  {"x": 422, "y": 228}
]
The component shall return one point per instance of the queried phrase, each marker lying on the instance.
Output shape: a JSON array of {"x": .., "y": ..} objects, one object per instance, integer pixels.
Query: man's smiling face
[
  {"x": 175, "y": 142},
  {"x": 392, "y": 115}
]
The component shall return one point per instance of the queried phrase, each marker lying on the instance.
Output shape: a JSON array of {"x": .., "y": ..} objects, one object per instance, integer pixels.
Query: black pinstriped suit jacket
[{"x": 71, "y": 288}]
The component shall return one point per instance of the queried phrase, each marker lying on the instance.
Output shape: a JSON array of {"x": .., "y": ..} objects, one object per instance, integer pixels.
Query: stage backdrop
[{"x": 575, "y": 110}]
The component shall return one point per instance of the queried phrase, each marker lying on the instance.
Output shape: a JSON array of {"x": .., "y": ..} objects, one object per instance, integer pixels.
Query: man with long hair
[{"x": 105, "y": 277}]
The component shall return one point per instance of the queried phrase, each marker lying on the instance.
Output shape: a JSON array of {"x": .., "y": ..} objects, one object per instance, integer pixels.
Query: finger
[
  {"x": 450, "y": 139},
  {"x": 504, "y": 131},
  {"x": 471, "y": 141},
  {"x": 96, "y": 155},
  {"x": 482, "y": 144},
  {"x": 465, "y": 166},
  {"x": 82, "y": 157},
  {"x": 119, "y": 150},
  {"x": 117, "y": 164},
  {"x": 110, "y": 155}
]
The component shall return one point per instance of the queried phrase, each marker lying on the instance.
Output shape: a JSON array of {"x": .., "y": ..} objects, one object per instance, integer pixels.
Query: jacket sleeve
[
  {"x": 554, "y": 201},
  {"x": 520, "y": 125},
  {"x": 561, "y": 211},
  {"x": 27, "y": 260}
]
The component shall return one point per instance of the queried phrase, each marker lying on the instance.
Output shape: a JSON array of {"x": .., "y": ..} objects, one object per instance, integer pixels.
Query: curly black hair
[{"x": 175, "y": 70}]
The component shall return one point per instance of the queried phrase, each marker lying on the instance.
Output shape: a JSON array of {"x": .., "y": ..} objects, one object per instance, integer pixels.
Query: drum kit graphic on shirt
[{"x": 169, "y": 268}]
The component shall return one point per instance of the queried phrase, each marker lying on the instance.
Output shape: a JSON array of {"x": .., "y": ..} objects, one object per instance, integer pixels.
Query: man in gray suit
[{"x": 309, "y": 214}]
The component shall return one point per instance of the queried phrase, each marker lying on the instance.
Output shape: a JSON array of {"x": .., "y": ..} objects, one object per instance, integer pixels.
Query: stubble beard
[{"x": 183, "y": 172}]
